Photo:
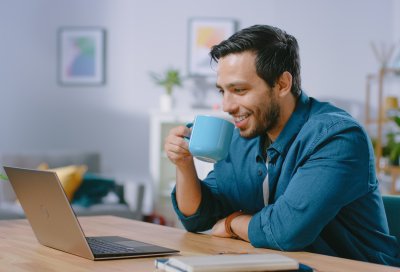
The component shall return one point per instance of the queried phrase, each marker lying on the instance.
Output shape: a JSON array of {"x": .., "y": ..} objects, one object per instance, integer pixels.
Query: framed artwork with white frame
[
  {"x": 81, "y": 56},
  {"x": 203, "y": 34}
]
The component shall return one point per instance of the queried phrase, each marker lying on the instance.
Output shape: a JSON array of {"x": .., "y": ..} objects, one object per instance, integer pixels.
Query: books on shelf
[{"x": 230, "y": 262}]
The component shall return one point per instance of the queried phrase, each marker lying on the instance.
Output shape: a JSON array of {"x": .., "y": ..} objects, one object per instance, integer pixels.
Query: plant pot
[{"x": 166, "y": 102}]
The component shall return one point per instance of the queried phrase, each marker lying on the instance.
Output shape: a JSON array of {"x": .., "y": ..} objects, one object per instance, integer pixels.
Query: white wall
[{"x": 142, "y": 36}]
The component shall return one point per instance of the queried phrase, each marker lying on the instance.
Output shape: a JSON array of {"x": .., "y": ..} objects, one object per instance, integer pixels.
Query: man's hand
[
  {"x": 176, "y": 147},
  {"x": 188, "y": 190},
  {"x": 219, "y": 229}
]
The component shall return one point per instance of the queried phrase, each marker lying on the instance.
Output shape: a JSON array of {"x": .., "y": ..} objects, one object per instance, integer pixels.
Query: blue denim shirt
[{"x": 324, "y": 195}]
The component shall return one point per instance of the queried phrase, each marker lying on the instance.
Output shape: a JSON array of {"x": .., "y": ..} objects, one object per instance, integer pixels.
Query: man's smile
[{"x": 241, "y": 120}]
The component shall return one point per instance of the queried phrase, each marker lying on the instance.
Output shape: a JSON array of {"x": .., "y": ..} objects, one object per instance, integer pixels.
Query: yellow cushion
[{"x": 70, "y": 176}]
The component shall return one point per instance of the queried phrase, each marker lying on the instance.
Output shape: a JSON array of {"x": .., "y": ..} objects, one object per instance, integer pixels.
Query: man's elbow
[
  {"x": 195, "y": 225},
  {"x": 283, "y": 242},
  {"x": 190, "y": 227},
  {"x": 291, "y": 246}
]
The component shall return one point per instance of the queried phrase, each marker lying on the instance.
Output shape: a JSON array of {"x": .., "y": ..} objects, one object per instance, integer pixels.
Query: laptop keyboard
[{"x": 101, "y": 248}]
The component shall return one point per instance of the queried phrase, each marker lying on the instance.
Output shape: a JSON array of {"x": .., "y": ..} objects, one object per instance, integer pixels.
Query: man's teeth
[{"x": 241, "y": 118}]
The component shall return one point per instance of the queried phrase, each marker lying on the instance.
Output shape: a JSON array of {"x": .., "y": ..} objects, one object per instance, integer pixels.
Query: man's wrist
[{"x": 228, "y": 221}]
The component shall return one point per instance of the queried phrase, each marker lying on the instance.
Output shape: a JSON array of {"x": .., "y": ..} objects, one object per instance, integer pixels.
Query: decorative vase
[{"x": 166, "y": 102}]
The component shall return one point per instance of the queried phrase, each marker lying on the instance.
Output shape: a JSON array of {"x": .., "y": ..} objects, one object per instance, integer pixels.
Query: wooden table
[{"x": 20, "y": 251}]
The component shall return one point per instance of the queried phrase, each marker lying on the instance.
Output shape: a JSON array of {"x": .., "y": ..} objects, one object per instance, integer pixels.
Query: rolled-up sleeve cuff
[
  {"x": 201, "y": 220},
  {"x": 181, "y": 216},
  {"x": 197, "y": 221},
  {"x": 260, "y": 235}
]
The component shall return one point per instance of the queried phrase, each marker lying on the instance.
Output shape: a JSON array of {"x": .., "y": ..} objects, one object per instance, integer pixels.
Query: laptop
[{"x": 55, "y": 224}]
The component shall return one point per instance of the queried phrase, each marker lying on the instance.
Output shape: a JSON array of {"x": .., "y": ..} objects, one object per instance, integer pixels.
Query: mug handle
[{"x": 187, "y": 138}]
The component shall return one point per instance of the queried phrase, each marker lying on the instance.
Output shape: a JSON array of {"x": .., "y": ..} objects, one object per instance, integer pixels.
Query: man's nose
[{"x": 229, "y": 104}]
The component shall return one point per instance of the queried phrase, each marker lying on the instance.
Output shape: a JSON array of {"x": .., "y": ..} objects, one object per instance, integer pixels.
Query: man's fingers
[{"x": 180, "y": 131}]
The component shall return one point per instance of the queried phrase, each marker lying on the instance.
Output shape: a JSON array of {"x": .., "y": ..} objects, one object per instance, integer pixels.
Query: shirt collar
[{"x": 291, "y": 129}]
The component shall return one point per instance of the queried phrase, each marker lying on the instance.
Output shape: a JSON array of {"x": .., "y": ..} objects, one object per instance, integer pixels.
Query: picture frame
[
  {"x": 203, "y": 34},
  {"x": 81, "y": 56}
]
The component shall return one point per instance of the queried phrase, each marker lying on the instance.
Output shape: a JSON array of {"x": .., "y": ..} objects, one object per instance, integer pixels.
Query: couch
[{"x": 112, "y": 204}]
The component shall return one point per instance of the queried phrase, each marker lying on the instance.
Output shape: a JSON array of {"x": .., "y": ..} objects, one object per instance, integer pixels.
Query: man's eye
[
  {"x": 237, "y": 90},
  {"x": 221, "y": 91}
]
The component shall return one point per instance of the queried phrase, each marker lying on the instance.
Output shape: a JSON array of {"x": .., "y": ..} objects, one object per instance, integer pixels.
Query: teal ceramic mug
[{"x": 210, "y": 138}]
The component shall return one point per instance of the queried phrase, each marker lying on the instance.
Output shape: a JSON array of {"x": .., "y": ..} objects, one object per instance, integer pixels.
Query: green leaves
[
  {"x": 168, "y": 80},
  {"x": 3, "y": 177},
  {"x": 393, "y": 145},
  {"x": 397, "y": 120},
  {"x": 395, "y": 154}
]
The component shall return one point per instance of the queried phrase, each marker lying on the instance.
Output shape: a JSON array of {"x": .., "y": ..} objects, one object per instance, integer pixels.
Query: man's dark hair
[{"x": 276, "y": 52}]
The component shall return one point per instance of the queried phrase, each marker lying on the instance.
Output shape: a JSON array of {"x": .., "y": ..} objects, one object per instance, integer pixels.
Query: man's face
[{"x": 246, "y": 96}]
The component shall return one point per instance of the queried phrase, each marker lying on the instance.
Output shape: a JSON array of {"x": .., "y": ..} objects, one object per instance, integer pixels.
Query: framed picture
[
  {"x": 203, "y": 34},
  {"x": 81, "y": 56}
]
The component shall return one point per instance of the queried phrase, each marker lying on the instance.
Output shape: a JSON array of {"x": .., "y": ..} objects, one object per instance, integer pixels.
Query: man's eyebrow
[{"x": 230, "y": 85}]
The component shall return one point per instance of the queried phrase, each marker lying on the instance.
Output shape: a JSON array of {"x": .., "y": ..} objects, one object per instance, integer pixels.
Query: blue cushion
[
  {"x": 93, "y": 188},
  {"x": 392, "y": 208}
]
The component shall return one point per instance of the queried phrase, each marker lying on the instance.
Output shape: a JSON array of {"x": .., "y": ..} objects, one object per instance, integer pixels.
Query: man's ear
[{"x": 284, "y": 84}]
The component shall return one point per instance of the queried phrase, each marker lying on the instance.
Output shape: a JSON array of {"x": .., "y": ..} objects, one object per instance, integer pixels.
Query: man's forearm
[{"x": 188, "y": 190}]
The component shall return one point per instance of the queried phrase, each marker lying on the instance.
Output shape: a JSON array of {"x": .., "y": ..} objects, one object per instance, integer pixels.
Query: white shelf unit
[{"x": 161, "y": 169}]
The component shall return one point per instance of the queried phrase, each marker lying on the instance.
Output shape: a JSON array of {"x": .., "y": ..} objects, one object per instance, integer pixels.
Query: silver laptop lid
[{"x": 48, "y": 210}]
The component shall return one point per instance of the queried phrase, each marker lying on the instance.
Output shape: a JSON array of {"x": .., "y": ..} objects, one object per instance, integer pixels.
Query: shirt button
[{"x": 260, "y": 172}]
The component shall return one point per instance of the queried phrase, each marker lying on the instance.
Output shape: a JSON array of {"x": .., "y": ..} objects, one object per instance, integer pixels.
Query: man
[{"x": 300, "y": 173}]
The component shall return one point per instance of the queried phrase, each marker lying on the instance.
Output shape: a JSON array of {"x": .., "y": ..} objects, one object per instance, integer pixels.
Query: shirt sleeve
[
  {"x": 336, "y": 171},
  {"x": 212, "y": 207}
]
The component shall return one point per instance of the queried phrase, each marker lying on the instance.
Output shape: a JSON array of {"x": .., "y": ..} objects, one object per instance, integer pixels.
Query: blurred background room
[{"x": 114, "y": 121}]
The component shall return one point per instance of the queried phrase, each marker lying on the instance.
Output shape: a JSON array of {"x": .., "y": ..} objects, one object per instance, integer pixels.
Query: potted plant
[
  {"x": 392, "y": 148},
  {"x": 169, "y": 80}
]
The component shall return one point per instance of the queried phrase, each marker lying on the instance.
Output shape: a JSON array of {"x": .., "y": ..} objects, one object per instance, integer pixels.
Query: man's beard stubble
[{"x": 269, "y": 120}]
